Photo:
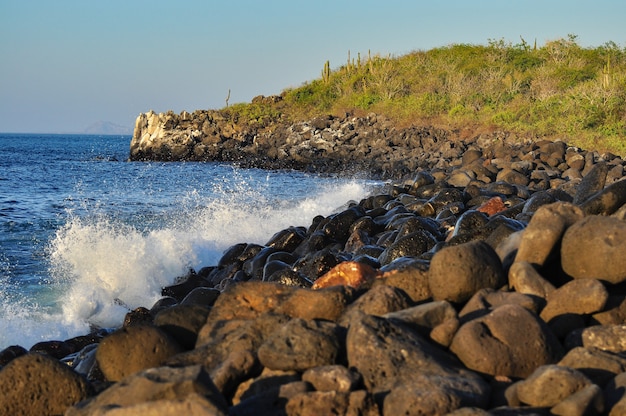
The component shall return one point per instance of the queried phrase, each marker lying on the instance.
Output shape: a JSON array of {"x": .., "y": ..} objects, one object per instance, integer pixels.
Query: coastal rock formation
[{"x": 491, "y": 280}]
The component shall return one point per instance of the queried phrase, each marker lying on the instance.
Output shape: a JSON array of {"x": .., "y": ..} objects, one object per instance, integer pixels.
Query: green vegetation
[{"x": 559, "y": 90}]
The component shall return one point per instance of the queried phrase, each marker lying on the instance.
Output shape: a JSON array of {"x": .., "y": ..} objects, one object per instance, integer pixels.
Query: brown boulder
[
  {"x": 548, "y": 385},
  {"x": 379, "y": 300},
  {"x": 332, "y": 403},
  {"x": 610, "y": 338},
  {"x": 457, "y": 272},
  {"x": 162, "y": 390},
  {"x": 37, "y": 384},
  {"x": 583, "y": 296},
  {"x": 248, "y": 300},
  {"x": 600, "y": 366},
  {"x": 133, "y": 349},
  {"x": 332, "y": 378},
  {"x": 182, "y": 322},
  {"x": 300, "y": 345},
  {"x": 545, "y": 230},
  {"x": 590, "y": 243},
  {"x": 524, "y": 278},
  {"x": 408, "y": 274},
  {"x": 390, "y": 356},
  {"x": 509, "y": 341},
  {"x": 486, "y": 300}
]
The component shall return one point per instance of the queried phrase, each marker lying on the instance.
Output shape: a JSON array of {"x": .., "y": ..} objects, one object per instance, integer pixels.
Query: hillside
[{"x": 556, "y": 91}]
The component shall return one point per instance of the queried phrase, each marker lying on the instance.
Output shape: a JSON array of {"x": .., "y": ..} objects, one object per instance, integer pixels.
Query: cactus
[
  {"x": 606, "y": 73},
  {"x": 326, "y": 72}
]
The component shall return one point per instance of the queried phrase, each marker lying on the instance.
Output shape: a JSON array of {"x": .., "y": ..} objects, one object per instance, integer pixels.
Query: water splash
[{"x": 106, "y": 266}]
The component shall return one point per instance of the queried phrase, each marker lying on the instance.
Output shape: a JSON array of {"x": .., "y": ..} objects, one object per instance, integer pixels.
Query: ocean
[{"x": 83, "y": 231}]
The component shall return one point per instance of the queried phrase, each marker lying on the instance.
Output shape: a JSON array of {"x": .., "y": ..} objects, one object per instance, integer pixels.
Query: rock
[
  {"x": 10, "y": 353},
  {"x": 599, "y": 366},
  {"x": 300, "y": 345},
  {"x": 589, "y": 242},
  {"x": 37, "y": 384},
  {"x": 606, "y": 201},
  {"x": 548, "y": 385},
  {"x": 425, "y": 317},
  {"x": 408, "y": 274},
  {"x": 332, "y": 378},
  {"x": 584, "y": 296},
  {"x": 413, "y": 245},
  {"x": 269, "y": 394},
  {"x": 160, "y": 390},
  {"x": 132, "y": 349},
  {"x": 201, "y": 296},
  {"x": 485, "y": 300},
  {"x": 457, "y": 272},
  {"x": 524, "y": 278},
  {"x": 593, "y": 182},
  {"x": 614, "y": 312},
  {"x": 248, "y": 300},
  {"x": 377, "y": 301},
  {"x": 615, "y": 394},
  {"x": 349, "y": 273},
  {"x": 509, "y": 341},
  {"x": 492, "y": 206},
  {"x": 332, "y": 403},
  {"x": 182, "y": 322},
  {"x": 586, "y": 401},
  {"x": 545, "y": 230},
  {"x": 610, "y": 338},
  {"x": 390, "y": 357}
]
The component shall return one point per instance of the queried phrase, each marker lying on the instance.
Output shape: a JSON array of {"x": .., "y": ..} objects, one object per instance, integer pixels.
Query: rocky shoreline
[{"x": 493, "y": 281}]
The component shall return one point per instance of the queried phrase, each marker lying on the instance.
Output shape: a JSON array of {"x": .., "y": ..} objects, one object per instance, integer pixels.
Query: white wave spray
[{"x": 102, "y": 266}]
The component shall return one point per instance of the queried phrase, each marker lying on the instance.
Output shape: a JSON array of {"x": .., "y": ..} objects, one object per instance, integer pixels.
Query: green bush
[{"x": 559, "y": 89}]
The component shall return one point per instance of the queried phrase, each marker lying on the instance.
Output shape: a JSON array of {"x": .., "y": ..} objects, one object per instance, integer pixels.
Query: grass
[{"x": 558, "y": 90}]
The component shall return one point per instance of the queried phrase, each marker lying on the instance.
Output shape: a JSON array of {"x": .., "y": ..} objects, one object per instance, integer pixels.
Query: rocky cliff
[{"x": 370, "y": 144}]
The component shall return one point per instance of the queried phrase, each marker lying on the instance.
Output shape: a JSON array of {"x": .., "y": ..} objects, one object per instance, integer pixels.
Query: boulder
[
  {"x": 301, "y": 344},
  {"x": 588, "y": 244},
  {"x": 159, "y": 390},
  {"x": 333, "y": 378},
  {"x": 248, "y": 300},
  {"x": 582, "y": 296},
  {"x": 132, "y": 349},
  {"x": 598, "y": 365},
  {"x": 182, "y": 322},
  {"x": 509, "y": 341},
  {"x": 389, "y": 356},
  {"x": 548, "y": 385},
  {"x": 37, "y": 384},
  {"x": 545, "y": 230},
  {"x": 457, "y": 272},
  {"x": 332, "y": 403}
]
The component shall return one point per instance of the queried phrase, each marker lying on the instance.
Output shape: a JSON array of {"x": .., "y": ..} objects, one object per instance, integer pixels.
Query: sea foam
[{"x": 102, "y": 266}]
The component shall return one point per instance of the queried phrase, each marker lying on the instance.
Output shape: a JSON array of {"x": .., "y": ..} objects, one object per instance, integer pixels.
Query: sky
[{"x": 66, "y": 64}]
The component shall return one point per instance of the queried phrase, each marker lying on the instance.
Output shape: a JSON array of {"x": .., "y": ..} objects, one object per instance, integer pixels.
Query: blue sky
[{"x": 67, "y": 64}]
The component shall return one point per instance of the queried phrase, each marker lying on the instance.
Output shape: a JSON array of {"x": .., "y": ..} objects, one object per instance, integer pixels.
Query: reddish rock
[
  {"x": 492, "y": 206},
  {"x": 348, "y": 273}
]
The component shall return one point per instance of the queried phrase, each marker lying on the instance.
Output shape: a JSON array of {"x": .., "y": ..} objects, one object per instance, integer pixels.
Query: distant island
[{"x": 107, "y": 127}]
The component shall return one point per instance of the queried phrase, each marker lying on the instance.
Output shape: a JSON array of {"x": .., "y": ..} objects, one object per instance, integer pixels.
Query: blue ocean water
[{"x": 81, "y": 227}]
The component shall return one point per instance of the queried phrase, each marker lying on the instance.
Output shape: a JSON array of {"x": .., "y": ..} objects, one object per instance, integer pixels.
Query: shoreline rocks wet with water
[{"x": 491, "y": 282}]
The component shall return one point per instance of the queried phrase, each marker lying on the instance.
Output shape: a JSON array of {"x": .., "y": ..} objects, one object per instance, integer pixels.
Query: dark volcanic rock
[
  {"x": 300, "y": 345},
  {"x": 37, "y": 384},
  {"x": 162, "y": 391},
  {"x": 132, "y": 349},
  {"x": 402, "y": 360},
  {"x": 457, "y": 272},
  {"x": 589, "y": 243},
  {"x": 509, "y": 341}
]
